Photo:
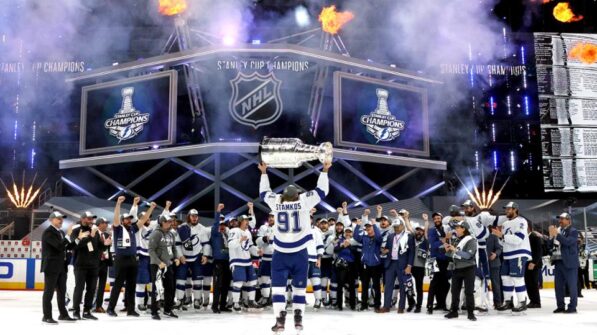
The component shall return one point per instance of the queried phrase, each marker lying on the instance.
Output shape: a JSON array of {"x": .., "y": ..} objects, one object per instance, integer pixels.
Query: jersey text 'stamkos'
[{"x": 292, "y": 230}]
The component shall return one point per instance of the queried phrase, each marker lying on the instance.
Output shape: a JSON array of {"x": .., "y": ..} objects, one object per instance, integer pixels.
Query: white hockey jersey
[
  {"x": 478, "y": 230},
  {"x": 516, "y": 239},
  {"x": 241, "y": 252},
  {"x": 267, "y": 247},
  {"x": 293, "y": 219},
  {"x": 193, "y": 241},
  {"x": 315, "y": 246},
  {"x": 142, "y": 237}
]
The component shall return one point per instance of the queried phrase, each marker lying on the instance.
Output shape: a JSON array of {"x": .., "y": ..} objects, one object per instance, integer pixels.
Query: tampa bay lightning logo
[
  {"x": 381, "y": 123},
  {"x": 128, "y": 121}
]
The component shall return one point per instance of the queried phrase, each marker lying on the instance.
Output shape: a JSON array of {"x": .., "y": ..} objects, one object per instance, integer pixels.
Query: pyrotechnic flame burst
[
  {"x": 172, "y": 7},
  {"x": 483, "y": 199},
  {"x": 563, "y": 13},
  {"x": 22, "y": 197},
  {"x": 584, "y": 52},
  {"x": 332, "y": 21}
]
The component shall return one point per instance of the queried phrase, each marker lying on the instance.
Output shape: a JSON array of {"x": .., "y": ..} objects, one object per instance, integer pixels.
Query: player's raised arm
[
  {"x": 265, "y": 190},
  {"x": 312, "y": 198}
]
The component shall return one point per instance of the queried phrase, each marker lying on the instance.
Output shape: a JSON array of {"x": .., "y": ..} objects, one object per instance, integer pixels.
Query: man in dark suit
[
  {"x": 400, "y": 248},
  {"x": 105, "y": 262},
  {"x": 563, "y": 242},
  {"x": 54, "y": 244},
  {"x": 534, "y": 266},
  {"x": 87, "y": 257}
]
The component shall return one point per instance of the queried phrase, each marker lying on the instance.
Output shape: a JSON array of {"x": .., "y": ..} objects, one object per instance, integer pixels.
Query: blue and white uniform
[
  {"x": 143, "y": 278},
  {"x": 265, "y": 243},
  {"x": 192, "y": 242},
  {"x": 292, "y": 233},
  {"x": 315, "y": 250},
  {"x": 516, "y": 252},
  {"x": 243, "y": 273}
]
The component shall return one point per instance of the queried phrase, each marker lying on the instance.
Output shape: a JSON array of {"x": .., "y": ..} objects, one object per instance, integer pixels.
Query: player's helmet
[{"x": 291, "y": 193}]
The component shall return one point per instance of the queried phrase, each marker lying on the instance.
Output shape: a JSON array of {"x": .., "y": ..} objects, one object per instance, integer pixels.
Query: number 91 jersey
[{"x": 292, "y": 228}]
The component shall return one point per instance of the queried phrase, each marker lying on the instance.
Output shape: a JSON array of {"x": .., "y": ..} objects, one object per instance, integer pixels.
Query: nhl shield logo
[{"x": 255, "y": 99}]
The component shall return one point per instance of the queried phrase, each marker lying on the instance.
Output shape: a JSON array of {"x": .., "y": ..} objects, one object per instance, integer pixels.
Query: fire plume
[
  {"x": 22, "y": 197},
  {"x": 563, "y": 13},
  {"x": 172, "y": 7},
  {"x": 584, "y": 52},
  {"x": 332, "y": 21},
  {"x": 484, "y": 199}
]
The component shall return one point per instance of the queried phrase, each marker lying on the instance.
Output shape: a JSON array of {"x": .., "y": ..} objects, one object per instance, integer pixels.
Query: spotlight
[
  {"x": 301, "y": 16},
  {"x": 228, "y": 40}
]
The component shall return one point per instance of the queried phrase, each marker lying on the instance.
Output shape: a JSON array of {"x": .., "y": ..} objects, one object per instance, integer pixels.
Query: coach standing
[
  {"x": 54, "y": 244},
  {"x": 566, "y": 266}
]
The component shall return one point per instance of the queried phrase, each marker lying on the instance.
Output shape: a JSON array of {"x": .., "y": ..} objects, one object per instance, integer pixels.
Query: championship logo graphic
[
  {"x": 255, "y": 99},
  {"x": 127, "y": 122},
  {"x": 381, "y": 123}
]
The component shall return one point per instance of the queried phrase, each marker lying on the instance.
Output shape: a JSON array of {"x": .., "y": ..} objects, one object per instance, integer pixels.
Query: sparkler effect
[
  {"x": 584, "y": 52},
  {"x": 172, "y": 7},
  {"x": 483, "y": 199},
  {"x": 23, "y": 197},
  {"x": 563, "y": 13},
  {"x": 332, "y": 21}
]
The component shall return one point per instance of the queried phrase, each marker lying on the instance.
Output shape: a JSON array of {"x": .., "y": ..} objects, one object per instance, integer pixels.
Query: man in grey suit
[{"x": 494, "y": 253}]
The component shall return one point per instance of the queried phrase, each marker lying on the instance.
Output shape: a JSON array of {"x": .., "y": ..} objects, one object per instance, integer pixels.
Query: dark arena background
[{"x": 427, "y": 104}]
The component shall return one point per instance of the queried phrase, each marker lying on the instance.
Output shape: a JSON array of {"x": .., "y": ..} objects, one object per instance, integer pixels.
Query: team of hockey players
[{"x": 272, "y": 264}]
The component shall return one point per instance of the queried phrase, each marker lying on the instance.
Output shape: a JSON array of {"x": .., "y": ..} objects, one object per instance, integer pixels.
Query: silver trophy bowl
[{"x": 291, "y": 153}]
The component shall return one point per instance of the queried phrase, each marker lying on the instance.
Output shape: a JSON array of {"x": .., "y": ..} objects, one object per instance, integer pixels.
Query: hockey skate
[
  {"x": 298, "y": 321},
  {"x": 187, "y": 301},
  {"x": 317, "y": 304},
  {"x": 197, "y": 304},
  {"x": 177, "y": 305},
  {"x": 263, "y": 301},
  {"x": 278, "y": 328},
  {"x": 205, "y": 304},
  {"x": 236, "y": 307},
  {"x": 253, "y": 307},
  {"x": 520, "y": 309},
  {"x": 142, "y": 308},
  {"x": 507, "y": 305}
]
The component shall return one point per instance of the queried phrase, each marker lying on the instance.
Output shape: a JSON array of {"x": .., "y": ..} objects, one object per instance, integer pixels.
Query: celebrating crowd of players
[{"x": 173, "y": 265}]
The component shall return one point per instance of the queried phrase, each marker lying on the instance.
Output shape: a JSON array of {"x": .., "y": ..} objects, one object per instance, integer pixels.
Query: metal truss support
[
  {"x": 114, "y": 183},
  {"x": 222, "y": 180},
  {"x": 141, "y": 177},
  {"x": 384, "y": 188},
  {"x": 366, "y": 179}
]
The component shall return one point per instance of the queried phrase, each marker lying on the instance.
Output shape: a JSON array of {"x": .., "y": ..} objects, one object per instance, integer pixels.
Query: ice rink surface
[{"x": 20, "y": 311}]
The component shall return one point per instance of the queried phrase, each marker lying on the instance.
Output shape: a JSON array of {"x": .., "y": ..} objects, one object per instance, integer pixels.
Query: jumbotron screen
[{"x": 567, "y": 84}]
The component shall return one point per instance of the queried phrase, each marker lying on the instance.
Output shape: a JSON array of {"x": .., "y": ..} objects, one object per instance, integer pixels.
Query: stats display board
[
  {"x": 131, "y": 113},
  {"x": 567, "y": 87}
]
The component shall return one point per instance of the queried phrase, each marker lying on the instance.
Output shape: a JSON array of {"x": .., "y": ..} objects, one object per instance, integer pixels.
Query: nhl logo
[
  {"x": 255, "y": 99},
  {"x": 127, "y": 122},
  {"x": 381, "y": 123}
]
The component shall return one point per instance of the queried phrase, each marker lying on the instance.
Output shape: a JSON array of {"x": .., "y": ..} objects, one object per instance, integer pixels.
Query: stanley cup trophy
[{"x": 292, "y": 152}]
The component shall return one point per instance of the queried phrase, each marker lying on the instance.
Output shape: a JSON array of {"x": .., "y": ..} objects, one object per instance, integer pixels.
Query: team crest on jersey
[
  {"x": 127, "y": 122},
  {"x": 255, "y": 100},
  {"x": 381, "y": 123}
]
